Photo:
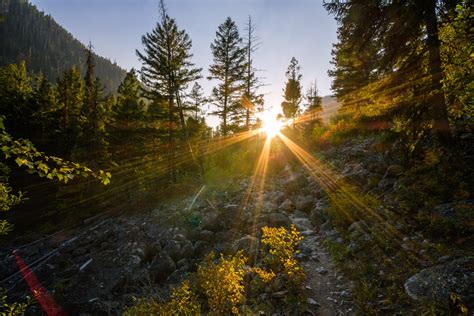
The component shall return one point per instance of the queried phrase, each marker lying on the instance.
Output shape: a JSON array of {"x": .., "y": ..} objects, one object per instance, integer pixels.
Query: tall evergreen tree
[
  {"x": 129, "y": 107},
  {"x": 167, "y": 70},
  {"x": 400, "y": 40},
  {"x": 96, "y": 114},
  {"x": 196, "y": 101},
  {"x": 292, "y": 92},
  {"x": 229, "y": 69},
  {"x": 314, "y": 104},
  {"x": 71, "y": 96},
  {"x": 252, "y": 101}
]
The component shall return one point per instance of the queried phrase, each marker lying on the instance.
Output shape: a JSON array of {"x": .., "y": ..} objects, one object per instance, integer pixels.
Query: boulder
[
  {"x": 162, "y": 266},
  {"x": 278, "y": 220},
  {"x": 439, "y": 282},
  {"x": 294, "y": 183},
  {"x": 394, "y": 171},
  {"x": 287, "y": 206},
  {"x": 173, "y": 249},
  {"x": 305, "y": 204},
  {"x": 212, "y": 221},
  {"x": 206, "y": 235},
  {"x": 246, "y": 244}
]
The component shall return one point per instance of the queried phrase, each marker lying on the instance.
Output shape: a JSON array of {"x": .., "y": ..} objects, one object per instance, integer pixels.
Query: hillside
[
  {"x": 29, "y": 34},
  {"x": 330, "y": 107}
]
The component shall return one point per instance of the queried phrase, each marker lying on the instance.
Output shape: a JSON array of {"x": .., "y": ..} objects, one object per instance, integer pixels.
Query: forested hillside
[{"x": 30, "y": 35}]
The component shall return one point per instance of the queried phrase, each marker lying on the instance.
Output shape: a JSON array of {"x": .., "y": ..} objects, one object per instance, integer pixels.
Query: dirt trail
[{"x": 327, "y": 289}]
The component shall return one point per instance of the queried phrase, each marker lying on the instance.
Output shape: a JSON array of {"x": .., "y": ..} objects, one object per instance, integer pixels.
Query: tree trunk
[{"x": 439, "y": 109}]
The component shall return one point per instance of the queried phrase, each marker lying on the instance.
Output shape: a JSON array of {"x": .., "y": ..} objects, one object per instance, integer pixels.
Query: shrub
[
  {"x": 222, "y": 282},
  {"x": 282, "y": 248},
  {"x": 182, "y": 302}
]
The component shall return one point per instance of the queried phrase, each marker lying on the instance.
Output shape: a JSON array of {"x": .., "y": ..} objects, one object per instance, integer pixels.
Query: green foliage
[
  {"x": 229, "y": 66},
  {"x": 26, "y": 155},
  {"x": 12, "y": 309},
  {"x": 292, "y": 92}
]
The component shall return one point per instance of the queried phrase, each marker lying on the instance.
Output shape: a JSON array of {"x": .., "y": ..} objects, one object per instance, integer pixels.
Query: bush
[
  {"x": 223, "y": 283},
  {"x": 282, "y": 248},
  {"x": 182, "y": 302}
]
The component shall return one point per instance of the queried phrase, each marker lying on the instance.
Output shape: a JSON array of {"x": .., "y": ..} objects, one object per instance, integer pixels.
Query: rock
[
  {"x": 162, "y": 266},
  {"x": 278, "y": 197},
  {"x": 246, "y": 244},
  {"x": 287, "y": 206},
  {"x": 357, "y": 226},
  {"x": 201, "y": 248},
  {"x": 173, "y": 249},
  {"x": 278, "y": 220},
  {"x": 134, "y": 261},
  {"x": 206, "y": 235},
  {"x": 438, "y": 282},
  {"x": 373, "y": 181},
  {"x": 280, "y": 294},
  {"x": 302, "y": 224},
  {"x": 294, "y": 183},
  {"x": 394, "y": 171},
  {"x": 80, "y": 251},
  {"x": 305, "y": 204},
  {"x": 386, "y": 183},
  {"x": 212, "y": 222},
  {"x": 187, "y": 251},
  {"x": 312, "y": 302},
  {"x": 322, "y": 270}
]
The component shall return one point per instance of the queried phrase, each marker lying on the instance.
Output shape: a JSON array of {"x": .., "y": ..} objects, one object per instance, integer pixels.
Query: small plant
[
  {"x": 223, "y": 283},
  {"x": 282, "y": 248},
  {"x": 183, "y": 301},
  {"x": 14, "y": 308}
]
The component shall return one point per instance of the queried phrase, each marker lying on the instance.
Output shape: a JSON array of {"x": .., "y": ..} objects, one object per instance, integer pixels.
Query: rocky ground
[{"x": 99, "y": 267}]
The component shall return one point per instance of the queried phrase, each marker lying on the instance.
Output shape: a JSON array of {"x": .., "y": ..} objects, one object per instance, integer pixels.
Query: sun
[{"x": 270, "y": 125}]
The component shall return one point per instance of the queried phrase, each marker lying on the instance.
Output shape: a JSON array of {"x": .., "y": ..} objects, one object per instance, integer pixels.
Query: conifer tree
[
  {"x": 129, "y": 107},
  {"x": 96, "y": 114},
  {"x": 314, "y": 104},
  {"x": 71, "y": 96},
  {"x": 292, "y": 92},
  {"x": 196, "y": 101},
  {"x": 253, "y": 102},
  {"x": 166, "y": 71},
  {"x": 229, "y": 69},
  {"x": 399, "y": 41}
]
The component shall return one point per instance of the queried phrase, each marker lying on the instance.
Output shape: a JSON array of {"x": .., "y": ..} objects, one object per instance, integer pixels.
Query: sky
[{"x": 286, "y": 28}]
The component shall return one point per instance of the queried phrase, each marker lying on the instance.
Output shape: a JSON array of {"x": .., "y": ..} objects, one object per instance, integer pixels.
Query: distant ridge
[{"x": 30, "y": 35}]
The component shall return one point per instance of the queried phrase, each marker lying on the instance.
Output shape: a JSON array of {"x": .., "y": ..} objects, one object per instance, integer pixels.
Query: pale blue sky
[{"x": 286, "y": 28}]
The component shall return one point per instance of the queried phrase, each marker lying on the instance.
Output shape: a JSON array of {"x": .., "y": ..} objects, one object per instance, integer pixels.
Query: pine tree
[
  {"x": 252, "y": 101},
  {"x": 129, "y": 107},
  {"x": 313, "y": 105},
  {"x": 397, "y": 41},
  {"x": 292, "y": 91},
  {"x": 95, "y": 111},
  {"x": 167, "y": 70},
  {"x": 229, "y": 69},
  {"x": 70, "y": 90},
  {"x": 196, "y": 101}
]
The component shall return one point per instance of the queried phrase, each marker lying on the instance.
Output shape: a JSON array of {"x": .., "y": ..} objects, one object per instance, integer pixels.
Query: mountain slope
[
  {"x": 28, "y": 34},
  {"x": 330, "y": 108}
]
